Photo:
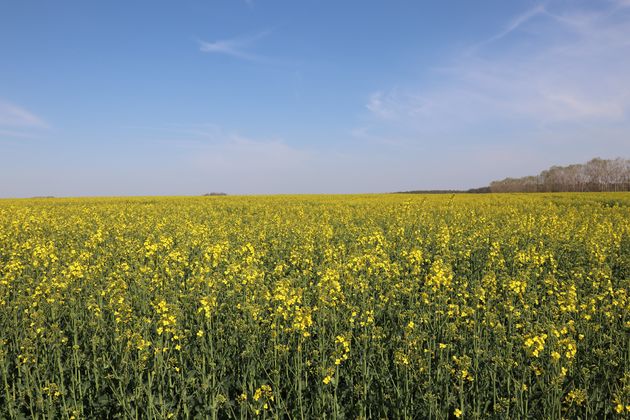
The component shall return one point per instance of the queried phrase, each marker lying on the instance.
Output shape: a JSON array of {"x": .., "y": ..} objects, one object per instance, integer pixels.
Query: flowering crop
[{"x": 389, "y": 306}]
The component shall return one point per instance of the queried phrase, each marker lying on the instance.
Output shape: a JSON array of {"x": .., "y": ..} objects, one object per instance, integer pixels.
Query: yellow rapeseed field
[{"x": 373, "y": 306}]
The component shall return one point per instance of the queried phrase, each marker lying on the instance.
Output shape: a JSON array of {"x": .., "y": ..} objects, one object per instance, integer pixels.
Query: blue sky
[{"x": 265, "y": 97}]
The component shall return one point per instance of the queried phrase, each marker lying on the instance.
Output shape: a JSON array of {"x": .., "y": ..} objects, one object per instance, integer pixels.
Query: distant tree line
[
  {"x": 470, "y": 191},
  {"x": 595, "y": 175}
]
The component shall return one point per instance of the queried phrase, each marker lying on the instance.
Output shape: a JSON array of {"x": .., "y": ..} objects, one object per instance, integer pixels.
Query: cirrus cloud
[
  {"x": 546, "y": 67},
  {"x": 17, "y": 122}
]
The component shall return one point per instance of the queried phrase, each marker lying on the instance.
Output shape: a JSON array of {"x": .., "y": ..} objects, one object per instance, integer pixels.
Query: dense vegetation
[
  {"x": 389, "y": 306},
  {"x": 596, "y": 175}
]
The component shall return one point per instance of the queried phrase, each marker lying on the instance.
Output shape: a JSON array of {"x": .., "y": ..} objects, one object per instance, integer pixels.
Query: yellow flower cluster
[
  {"x": 535, "y": 344},
  {"x": 366, "y": 306}
]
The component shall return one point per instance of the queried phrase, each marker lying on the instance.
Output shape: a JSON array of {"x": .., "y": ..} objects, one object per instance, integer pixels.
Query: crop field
[{"x": 301, "y": 307}]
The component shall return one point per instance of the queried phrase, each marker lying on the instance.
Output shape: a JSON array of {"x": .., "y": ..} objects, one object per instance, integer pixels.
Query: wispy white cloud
[
  {"x": 573, "y": 69},
  {"x": 512, "y": 26},
  {"x": 520, "y": 20},
  {"x": 239, "y": 154},
  {"x": 212, "y": 143},
  {"x": 234, "y": 47},
  {"x": 17, "y": 122},
  {"x": 12, "y": 115},
  {"x": 396, "y": 104},
  {"x": 240, "y": 164},
  {"x": 208, "y": 157},
  {"x": 218, "y": 159},
  {"x": 551, "y": 87}
]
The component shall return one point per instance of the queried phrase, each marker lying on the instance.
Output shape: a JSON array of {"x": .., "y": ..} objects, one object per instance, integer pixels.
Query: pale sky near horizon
[{"x": 265, "y": 97}]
